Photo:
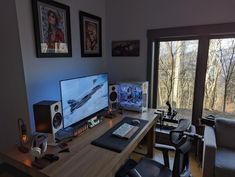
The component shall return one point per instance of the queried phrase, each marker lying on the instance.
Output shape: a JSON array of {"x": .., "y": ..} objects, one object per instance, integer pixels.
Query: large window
[
  {"x": 194, "y": 69},
  {"x": 176, "y": 71},
  {"x": 219, "y": 99}
]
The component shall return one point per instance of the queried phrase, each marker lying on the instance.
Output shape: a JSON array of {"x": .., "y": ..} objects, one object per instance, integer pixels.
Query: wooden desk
[{"x": 86, "y": 160}]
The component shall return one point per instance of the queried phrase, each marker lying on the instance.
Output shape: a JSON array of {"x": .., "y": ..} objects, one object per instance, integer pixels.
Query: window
[
  {"x": 194, "y": 68},
  {"x": 219, "y": 98},
  {"x": 176, "y": 71}
]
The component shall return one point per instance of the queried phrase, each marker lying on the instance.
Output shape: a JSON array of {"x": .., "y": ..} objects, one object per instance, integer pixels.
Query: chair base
[{"x": 151, "y": 168}]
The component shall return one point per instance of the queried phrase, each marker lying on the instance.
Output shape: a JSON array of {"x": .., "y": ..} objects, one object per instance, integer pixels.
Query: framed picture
[
  {"x": 52, "y": 29},
  {"x": 129, "y": 48},
  {"x": 90, "y": 30}
]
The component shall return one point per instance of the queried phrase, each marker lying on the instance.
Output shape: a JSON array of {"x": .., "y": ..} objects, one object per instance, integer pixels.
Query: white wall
[
  {"x": 13, "y": 104},
  {"x": 130, "y": 19},
  {"x": 42, "y": 75}
]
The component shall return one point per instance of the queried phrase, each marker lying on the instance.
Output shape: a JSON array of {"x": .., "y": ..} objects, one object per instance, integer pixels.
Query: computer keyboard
[{"x": 124, "y": 130}]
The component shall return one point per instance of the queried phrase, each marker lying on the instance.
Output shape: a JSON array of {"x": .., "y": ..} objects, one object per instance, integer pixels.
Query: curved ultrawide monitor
[{"x": 82, "y": 97}]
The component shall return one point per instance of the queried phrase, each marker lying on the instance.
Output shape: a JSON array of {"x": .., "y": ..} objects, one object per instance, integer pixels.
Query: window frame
[{"x": 202, "y": 33}]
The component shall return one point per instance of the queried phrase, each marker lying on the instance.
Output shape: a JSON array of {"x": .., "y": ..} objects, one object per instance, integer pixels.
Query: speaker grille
[
  {"x": 57, "y": 120},
  {"x": 113, "y": 96}
]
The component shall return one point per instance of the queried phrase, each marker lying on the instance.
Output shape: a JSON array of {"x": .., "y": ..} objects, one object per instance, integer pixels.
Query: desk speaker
[
  {"x": 113, "y": 96},
  {"x": 48, "y": 118}
]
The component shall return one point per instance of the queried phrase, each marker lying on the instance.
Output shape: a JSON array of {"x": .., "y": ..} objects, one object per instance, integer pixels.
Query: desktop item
[
  {"x": 23, "y": 136},
  {"x": 51, "y": 157},
  {"x": 120, "y": 141},
  {"x": 81, "y": 128},
  {"x": 113, "y": 96},
  {"x": 112, "y": 113},
  {"x": 135, "y": 122},
  {"x": 64, "y": 150},
  {"x": 125, "y": 130},
  {"x": 66, "y": 134},
  {"x": 38, "y": 149},
  {"x": 83, "y": 97},
  {"x": 46, "y": 160},
  {"x": 94, "y": 121},
  {"x": 170, "y": 113},
  {"x": 39, "y": 145},
  {"x": 133, "y": 96},
  {"x": 48, "y": 119}
]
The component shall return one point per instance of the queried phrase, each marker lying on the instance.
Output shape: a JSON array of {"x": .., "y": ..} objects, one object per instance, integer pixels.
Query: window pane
[
  {"x": 219, "y": 98},
  {"x": 177, "y": 67}
]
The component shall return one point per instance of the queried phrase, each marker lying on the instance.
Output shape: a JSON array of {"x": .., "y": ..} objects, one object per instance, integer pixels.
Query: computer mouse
[{"x": 135, "y": 122}]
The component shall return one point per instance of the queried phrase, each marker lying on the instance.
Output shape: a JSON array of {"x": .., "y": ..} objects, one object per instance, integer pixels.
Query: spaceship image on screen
[{"x": 75, "y": 104}]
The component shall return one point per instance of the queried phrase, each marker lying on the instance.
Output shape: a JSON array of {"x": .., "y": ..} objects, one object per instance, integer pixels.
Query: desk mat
[{"x": 111, "y": 142}]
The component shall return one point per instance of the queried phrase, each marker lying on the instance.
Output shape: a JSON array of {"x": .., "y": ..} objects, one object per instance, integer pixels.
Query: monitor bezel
[{"x": 90, "y": 116}]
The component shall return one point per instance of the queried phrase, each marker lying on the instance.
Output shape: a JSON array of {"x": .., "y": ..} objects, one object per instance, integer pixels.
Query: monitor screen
[{"x": 82, "y": 97}]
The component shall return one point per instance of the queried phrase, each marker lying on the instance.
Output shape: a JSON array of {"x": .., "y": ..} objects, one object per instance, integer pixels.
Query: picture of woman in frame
[
  {"x": 52, "y": 29},
  {"x": 91, "y": 36},
  {"x": 55, "y": 34}
]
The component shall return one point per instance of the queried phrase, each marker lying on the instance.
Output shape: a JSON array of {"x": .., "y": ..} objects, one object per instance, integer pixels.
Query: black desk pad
[{"x": 114, "y": 143}]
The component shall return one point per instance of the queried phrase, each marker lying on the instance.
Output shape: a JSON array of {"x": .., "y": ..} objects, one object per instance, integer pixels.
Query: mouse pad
[{"x": 114, "y": 143}]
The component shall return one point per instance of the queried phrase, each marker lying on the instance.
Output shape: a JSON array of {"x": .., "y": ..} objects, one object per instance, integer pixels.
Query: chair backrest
[
  {"x": 183, "y": 144},
  {"x": 225, "y": 132}
]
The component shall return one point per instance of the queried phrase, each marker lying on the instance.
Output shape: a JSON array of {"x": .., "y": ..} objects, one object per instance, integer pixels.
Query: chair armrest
[
  {"x": 134, "y": 173},
  {"x": 209, "y": 152},
  {"x": 165, "y": 148}
]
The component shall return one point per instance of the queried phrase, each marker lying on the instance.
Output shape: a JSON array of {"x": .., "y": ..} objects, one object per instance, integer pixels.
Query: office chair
[{"x": 181, "y": 138}]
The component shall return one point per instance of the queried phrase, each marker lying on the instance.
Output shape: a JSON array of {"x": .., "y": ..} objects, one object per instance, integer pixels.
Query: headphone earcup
[
  {"x": 44, "y": 147},
  {"x": 36, "y": 151}
]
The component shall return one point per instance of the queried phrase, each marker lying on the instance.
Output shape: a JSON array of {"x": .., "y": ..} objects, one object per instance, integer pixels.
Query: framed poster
[
  {"x": 129, "y": 48},
  {"x": 90, "y": 34},
  {"x": 52, "y": 29}
]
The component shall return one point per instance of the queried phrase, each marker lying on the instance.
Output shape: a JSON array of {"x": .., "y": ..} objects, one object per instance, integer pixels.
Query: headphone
[{"x": 39, "y": 145}]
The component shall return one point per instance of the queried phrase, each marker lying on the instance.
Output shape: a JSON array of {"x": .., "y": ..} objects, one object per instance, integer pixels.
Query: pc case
[{"x": 133, "y": 96}]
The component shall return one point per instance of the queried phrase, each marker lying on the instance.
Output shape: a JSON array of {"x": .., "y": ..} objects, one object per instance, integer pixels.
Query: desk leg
[{"x": 150, "y": 141}]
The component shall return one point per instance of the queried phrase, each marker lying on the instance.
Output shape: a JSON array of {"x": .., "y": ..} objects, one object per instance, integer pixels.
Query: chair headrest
[
  {"x": 184, "y": 125},
  {"x": 177, "y": 134}
]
